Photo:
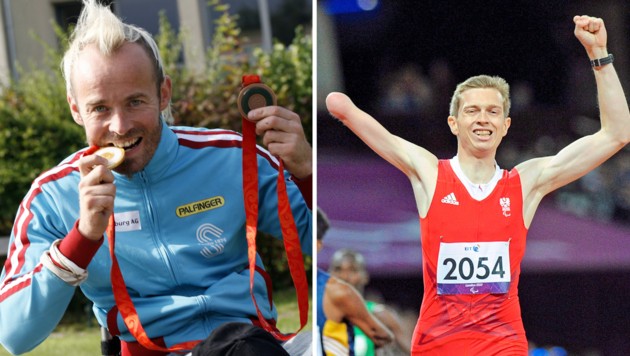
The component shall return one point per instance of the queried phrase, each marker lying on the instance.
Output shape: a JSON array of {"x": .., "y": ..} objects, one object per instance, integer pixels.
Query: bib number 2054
[{"x": 473, "y": 268}]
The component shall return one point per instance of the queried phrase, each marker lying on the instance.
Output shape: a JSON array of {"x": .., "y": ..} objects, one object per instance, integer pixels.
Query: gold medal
[{"x": 113, "y": 155}]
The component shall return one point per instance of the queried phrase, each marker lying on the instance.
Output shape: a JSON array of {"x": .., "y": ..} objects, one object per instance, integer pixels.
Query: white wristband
[{"x": 65, "y": 269}]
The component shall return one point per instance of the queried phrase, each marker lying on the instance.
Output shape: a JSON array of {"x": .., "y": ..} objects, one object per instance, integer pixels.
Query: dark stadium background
[{"x": 400, "y": 62}]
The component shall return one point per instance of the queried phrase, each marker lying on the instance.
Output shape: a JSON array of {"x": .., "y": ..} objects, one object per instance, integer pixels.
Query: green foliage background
[{"x": 37, "y": 131}]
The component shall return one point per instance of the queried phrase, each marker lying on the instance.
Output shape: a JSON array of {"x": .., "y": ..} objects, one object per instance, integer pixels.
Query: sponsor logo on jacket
[{"x": 200, "y": 206}]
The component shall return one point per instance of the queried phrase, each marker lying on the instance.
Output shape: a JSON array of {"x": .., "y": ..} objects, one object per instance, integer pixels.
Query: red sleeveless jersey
[{"x": 458, "y": 321}]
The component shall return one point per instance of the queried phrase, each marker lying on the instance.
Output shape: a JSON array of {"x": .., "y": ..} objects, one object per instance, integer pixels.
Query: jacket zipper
[{"x": 156, "y": 226}]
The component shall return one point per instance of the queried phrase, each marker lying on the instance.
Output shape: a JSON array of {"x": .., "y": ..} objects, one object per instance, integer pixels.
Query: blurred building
[{"x": 21, "y": 20}]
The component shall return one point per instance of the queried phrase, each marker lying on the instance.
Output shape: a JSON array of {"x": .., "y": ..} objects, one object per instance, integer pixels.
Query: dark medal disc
[{"x": 254, "y": 96}]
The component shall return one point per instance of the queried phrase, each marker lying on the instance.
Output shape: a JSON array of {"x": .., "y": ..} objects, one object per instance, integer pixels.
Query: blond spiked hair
[{"x": 98, "y": 25}]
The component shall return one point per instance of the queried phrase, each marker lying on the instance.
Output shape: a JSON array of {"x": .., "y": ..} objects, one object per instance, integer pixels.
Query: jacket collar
[{"x": 164, "y": 156}]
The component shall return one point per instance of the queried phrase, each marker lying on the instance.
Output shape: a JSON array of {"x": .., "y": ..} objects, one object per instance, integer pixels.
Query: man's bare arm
[
  {"x": 543, "y": 175},
  {"x": 351, "y": 306},
  {"x": 417, "y": 163}
]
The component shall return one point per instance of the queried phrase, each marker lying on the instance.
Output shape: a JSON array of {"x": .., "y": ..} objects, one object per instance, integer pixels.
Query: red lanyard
[
  {"x": 287, "y": 223},
  {"x": 250, "y": 190},
  {"x": 123, "y": 300},
  {"x": 126, "y": 307}
]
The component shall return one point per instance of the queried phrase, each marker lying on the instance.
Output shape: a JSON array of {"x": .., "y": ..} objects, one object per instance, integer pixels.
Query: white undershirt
[{"x": 477, "y": 191}]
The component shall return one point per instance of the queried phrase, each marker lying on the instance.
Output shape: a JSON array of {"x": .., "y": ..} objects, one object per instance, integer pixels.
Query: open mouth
[
  {"x": 482, "y": 133},
  {"x": 129, "y": 144}
]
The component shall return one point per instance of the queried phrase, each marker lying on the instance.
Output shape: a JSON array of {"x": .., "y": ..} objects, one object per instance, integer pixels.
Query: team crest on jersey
[
  {"x": 505, "y": 206},
  {"x": 210, "y": 237},
  {"x": 200, "y": 206}
]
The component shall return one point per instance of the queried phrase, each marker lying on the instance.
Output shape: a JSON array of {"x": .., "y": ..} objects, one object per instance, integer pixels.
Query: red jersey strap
[
  {"x": 123, "y": 300},
  {"x": 258, "y": 96}
]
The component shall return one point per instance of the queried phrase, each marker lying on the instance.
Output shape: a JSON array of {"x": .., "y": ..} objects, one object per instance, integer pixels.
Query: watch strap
[{"x": 598, "y": 62}]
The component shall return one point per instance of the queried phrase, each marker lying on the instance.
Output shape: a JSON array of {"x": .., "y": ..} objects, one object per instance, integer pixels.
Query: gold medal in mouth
[{"x": 113, "y": 155}]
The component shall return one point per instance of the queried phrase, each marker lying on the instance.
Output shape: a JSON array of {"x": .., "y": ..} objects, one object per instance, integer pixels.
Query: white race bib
[{"x": 473, "y": 268}]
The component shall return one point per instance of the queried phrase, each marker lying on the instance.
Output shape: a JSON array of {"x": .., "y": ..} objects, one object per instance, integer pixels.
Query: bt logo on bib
[{"x": 473, "y": 268}]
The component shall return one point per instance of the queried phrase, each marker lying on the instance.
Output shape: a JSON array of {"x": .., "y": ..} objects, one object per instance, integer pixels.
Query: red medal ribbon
[
  {"x": 123, "y": 300},
  {"x": 126, "y": 307},
  {"x": 287, "y": 223}
]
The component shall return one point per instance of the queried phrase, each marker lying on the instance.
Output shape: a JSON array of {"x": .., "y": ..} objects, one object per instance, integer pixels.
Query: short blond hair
[{"x": 482, "y": 81}]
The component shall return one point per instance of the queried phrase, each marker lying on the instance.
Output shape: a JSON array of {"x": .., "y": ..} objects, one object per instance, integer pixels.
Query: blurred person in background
[
  {"x": 341, "y": 310},
  {"x": 349, "y": 266}
]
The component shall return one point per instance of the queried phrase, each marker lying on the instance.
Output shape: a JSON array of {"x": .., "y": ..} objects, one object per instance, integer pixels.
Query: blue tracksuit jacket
[{"x": 180, "y": 243}]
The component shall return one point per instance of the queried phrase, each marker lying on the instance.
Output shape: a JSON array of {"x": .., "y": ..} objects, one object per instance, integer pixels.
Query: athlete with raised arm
[{"x": 475, "y": 216}]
